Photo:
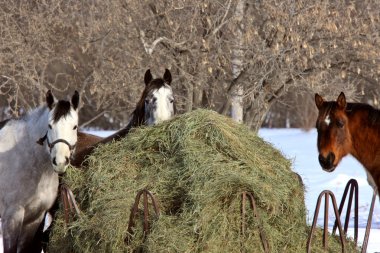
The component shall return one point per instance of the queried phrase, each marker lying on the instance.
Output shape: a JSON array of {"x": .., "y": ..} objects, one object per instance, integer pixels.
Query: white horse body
[
  {"x": 29, "y": 171},
  {"x": 32, "y": 190}
]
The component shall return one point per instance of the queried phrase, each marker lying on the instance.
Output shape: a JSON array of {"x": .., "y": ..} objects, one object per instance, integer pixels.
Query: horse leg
[
  {"x": 30, "y": 239},
  {"x": 37, "y": 245},
  {"x": 43, "y": 234},
  {"x": 11, "y": 223}
]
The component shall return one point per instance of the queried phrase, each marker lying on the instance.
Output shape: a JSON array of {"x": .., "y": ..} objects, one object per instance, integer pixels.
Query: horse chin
[
  {"x": 60, "y": 169},
  {"x": 329, "y": 169}
]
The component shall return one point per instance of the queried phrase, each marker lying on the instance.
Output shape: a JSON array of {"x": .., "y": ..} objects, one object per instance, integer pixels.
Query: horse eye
[
  {"x": 171, "y": 100},
  {"x": 339, "y": 123},
  {"x": 50, "y": 126},
  {"x": 75, "y": 127}
]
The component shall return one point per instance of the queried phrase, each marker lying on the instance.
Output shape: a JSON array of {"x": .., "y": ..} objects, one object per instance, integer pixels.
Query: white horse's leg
[
  {"x": 12, "y": 221},
  {"x": 29, "y": 242}
]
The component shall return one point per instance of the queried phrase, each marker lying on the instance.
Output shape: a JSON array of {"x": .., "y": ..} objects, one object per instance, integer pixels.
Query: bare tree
[{"x": 103, "y": 48}]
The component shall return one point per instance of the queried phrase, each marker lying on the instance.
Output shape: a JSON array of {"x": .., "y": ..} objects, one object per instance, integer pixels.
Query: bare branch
[
  {"x": 223, "y": 21},
  {"x": 150, "y": 48}
]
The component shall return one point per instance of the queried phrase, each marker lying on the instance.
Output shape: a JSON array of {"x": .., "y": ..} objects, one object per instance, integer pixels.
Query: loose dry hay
[{"x": 197, "y": 165}]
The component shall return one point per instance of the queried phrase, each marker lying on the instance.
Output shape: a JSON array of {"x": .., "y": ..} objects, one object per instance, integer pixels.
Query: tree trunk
[{"x": 237, "y": 64}]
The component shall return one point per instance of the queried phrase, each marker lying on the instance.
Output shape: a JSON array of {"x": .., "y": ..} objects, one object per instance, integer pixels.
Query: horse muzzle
[
  {"x": 60, "y": 166},
  {"x": 60, "y": 169},
  {"x": 327, "y": 162}
]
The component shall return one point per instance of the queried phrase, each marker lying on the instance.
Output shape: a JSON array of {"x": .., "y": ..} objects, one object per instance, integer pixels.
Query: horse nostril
[
  {"x": 54, "y": 161},
  {"x": 67, "y": 160},
  {"x": 331, "y": 158},
  {"x": 322, "y": 160},
  {"x": 327, "y": 161}
]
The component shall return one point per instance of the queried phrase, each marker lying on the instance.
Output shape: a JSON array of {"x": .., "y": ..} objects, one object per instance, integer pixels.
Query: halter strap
[
  {"x": 42, "y": 139},
  {"x": 51, "y": 145}
]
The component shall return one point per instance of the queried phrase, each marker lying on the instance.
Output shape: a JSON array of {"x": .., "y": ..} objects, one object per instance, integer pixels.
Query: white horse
[{"x": 29, "y": 172}]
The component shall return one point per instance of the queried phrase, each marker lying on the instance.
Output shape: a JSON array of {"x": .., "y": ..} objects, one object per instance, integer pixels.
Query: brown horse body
[
  {"x": 349, "y": 128},
  {"x": 142, "y": 115}
]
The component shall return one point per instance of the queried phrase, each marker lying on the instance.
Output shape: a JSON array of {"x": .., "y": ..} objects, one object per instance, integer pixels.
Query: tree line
[{"x": 258, "y": 61}]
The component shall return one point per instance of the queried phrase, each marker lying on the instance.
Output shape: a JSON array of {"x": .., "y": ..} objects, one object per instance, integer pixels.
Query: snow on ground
[{"x": 301, "y": 148}]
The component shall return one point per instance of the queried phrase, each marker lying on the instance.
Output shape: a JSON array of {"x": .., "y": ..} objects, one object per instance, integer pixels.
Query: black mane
[
  {"x": 62, "y": 109},
  {"x": 373, "y": 113}
]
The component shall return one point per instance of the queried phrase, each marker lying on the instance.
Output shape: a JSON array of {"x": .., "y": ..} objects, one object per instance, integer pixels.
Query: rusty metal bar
[
  {"x": 326, "y": 223},
  {"x": 325, "y": 194},
  {"x": 146, "y": 213},
  {"x": 131, "y": 224},
  {"x": 243, "y": 200},
  {"x": 369, "y": 222},
  {"x": 352, "y": 185},
  {"x": 252, "y": 205}
]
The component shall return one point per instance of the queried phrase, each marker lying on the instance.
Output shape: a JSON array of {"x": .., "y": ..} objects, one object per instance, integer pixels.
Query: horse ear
[
  {"x": 167, "y": 76},
  {"x": 341, "y": 101},
  {"x": 50, "y": 99},
  {"x": 75, "y": 100},
  {"x": 148, "y": 77},
  {"x": 318, "y": 101}
]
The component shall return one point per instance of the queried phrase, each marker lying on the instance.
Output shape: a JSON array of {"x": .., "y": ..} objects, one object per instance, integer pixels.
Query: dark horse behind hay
[
  {"x": 349, "y": 128},
  {"x": 156, "y": 104}
]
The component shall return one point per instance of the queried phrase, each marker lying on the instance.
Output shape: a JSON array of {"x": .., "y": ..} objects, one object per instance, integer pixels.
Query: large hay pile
[{"x": 197, "y": 165}]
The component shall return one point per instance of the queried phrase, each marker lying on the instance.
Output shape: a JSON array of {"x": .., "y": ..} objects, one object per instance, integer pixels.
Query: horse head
[
  {"x": 334, "y": 138},
  {"x": 61, "y": 136},
  {"x": 157, "y": 98}
]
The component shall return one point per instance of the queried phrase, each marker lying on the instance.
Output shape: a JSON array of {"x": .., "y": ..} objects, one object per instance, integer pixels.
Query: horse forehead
[
  {"x": 328, "y": 113},
  {"x": 70, "y": 117},
  {"x": 327, "y": 120},
  {"x": 62, "y": 109},
  {"x": 163, "y": 92}
]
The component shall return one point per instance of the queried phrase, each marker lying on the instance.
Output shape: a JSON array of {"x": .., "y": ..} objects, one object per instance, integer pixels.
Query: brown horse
[
  {"x": 155, "y": 105},
  {"x": 349, "y": 128}
]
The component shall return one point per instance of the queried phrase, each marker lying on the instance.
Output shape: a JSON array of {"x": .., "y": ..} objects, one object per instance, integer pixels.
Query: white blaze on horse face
[
  {"x": 327, "y": 120},
  {"x": 65, "y": 129},
  {"x": 160, "y": 106}
]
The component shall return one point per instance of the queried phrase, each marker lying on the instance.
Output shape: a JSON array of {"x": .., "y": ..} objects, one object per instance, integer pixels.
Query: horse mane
[
  {"x": 62, "y": 109},
  {"x": 373, "y": 113}
]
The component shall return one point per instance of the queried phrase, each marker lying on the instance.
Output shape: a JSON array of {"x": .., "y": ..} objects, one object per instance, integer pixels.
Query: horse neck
[
  {"x": 137, "y": 119},
  {"x": 365, "y": 134},
  {"x": 138, "y": 115},
  {"x": 37, "y": 122}
]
